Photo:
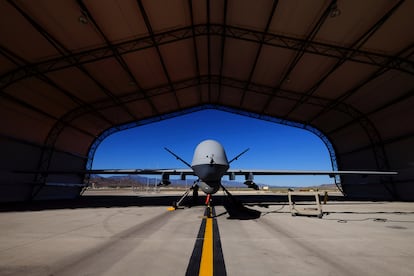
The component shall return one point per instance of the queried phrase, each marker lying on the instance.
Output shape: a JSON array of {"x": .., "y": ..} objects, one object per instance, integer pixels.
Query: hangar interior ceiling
[{"x": 70, "y": 70}]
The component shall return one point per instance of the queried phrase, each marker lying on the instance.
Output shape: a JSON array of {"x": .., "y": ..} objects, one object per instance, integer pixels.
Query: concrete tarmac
[{"x": 352, "y": 238}]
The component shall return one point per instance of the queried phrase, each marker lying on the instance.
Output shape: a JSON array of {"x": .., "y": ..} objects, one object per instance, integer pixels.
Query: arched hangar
[{"x": 72, "y": 70}]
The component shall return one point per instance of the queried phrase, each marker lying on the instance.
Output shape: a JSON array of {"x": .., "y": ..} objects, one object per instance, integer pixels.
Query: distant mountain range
[
  {"x": 138, "y": 180},
  {"x": 142, "y": 181}
]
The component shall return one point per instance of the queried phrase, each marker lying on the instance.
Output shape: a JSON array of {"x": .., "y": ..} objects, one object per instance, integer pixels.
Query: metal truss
[
  {"x": 376, "y": 142},
  {"x": 406, "y": 96},
  {"x": 156, "y": 46},
  {"x": 132, "y": 97},
  {"x": 208, "y": 26},
  {"x": 223, "y": 47},
  {"x": 195, "y": 49},
  {"x": 376, "y": 145},
  {"x": 49, "y": 147},
  {"x": 228, "y": 31},
  {"x": 205, "y": 80},
  {"x": 356, "y": 45},
  {"x": 301, "y": 51},
  {"x": 258, "y": 52},
  {"x": 375, "y": 139},
  {"x": 59, "y": 47}
]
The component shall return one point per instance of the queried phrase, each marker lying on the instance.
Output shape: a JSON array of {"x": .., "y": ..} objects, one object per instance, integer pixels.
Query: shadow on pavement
[{"x": 108, "y": 201}]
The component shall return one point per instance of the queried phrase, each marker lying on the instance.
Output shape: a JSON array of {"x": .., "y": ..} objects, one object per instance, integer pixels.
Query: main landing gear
[{"x": 177, "y": 204}]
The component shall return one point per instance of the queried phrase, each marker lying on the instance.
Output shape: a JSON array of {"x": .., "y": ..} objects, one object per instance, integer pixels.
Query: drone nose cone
[{"x": 209, "y": 152}]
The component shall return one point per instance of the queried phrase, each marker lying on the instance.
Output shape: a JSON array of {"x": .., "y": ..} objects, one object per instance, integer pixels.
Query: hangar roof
[{"x": 69, "y": 70}]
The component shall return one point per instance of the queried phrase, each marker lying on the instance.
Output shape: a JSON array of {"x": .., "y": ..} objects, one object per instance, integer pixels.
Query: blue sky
[{"x": 272, "y": 146}]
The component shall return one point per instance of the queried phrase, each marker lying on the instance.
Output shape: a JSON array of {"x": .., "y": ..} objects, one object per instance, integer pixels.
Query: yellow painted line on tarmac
[
  {"x": 206, "y": 265},
  {"x": 207, "y": 257}
]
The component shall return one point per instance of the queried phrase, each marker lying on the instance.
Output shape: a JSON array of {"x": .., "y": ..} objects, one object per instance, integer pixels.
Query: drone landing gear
[
  {"x": 231, "y": 197},
  {"x": 177, "y": 204}
]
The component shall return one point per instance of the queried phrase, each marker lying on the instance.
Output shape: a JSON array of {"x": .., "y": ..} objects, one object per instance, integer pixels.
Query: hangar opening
[{"x": 273, "y": 144}]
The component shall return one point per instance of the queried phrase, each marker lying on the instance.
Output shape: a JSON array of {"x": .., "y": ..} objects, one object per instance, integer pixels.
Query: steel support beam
[
  {"x": 60, "y": 48},
  {"x": 208, "y": 48},
  {"x": 271, "y": 39},
  {"x": 258, "y": 52},
  {"x": 299, "y": 53},
  {"x": 40, "y": 146},
  {"x": 223, "y": 47},
  {"x": 356, "y": 45},
  {"x": 157, "y": 48},
  {"x": 118, "y": 58},
  {"x": 394, "y": 102},
  {"x": 195, "y": 49}
]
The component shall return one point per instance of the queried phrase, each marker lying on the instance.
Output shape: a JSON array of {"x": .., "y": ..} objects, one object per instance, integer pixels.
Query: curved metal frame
[{"x": 315, "y": 131}]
